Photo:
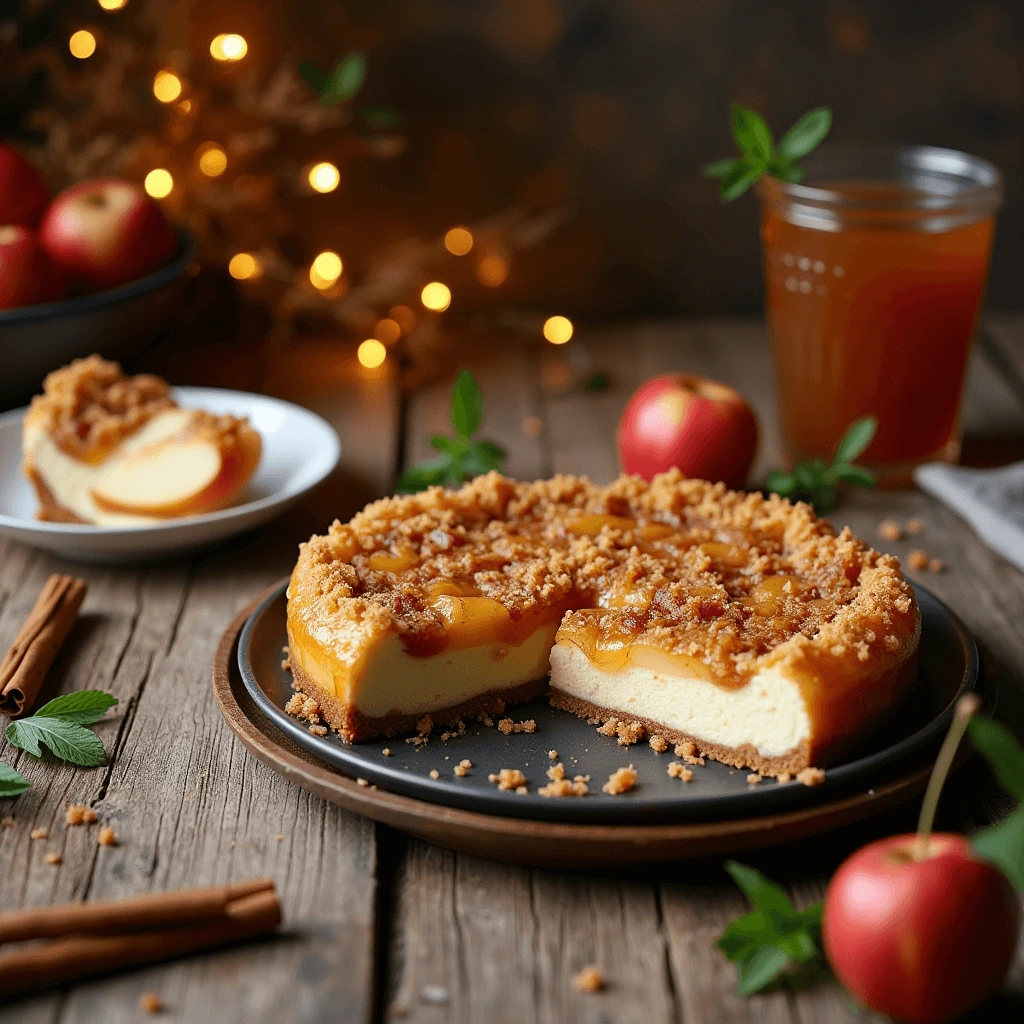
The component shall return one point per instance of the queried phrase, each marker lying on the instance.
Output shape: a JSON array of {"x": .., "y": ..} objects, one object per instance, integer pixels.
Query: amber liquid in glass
[{"x": 873, "y": 318}]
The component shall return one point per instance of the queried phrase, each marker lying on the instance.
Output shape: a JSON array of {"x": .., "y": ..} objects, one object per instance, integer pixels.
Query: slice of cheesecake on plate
[
  {"x": 104, "y": 448},
  {"x": 742, "y": 625}
]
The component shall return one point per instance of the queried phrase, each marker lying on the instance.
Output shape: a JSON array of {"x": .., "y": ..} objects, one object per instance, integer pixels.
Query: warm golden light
[
  {"x": 325, "y": 269},
  {"x": 158, "y": 183},
  {"x": 228, "y": 46},
  {"x": 244, "y": 265},
  {"x": 166, "y": 86},
  {"x": 492, "y": 271},
  {"x": 436, "y": 296},
  {"x": 185, "y": 106},
  {"x": 404, "y": 317},
  {"x": 324, "y": 177},
  {"x": 82, "y": 44},
  {"x": 112, "y": 5},
  {"x": 213, "y": 161},
  {"x": 388, "y": 330},
  {"x": 458, "y": 241},
  {"x": 558, "y": 329},
  {"x": 372, "y": 353}
]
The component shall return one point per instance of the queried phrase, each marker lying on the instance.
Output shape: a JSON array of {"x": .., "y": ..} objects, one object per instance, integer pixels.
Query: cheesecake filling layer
[
  {"x": 390, "y": 681},
  {"x": 768, "y": 713},
  {"x": 70, "y": 481}
]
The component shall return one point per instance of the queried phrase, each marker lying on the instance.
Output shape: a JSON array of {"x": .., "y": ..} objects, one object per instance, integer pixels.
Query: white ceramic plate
[{"x": 299, "y": 451}]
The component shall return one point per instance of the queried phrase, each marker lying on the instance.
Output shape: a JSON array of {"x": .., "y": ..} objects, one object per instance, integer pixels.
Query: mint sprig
[
  {"x": 343, "y": 82},
  {"x": 12, "y": 782},
  {"x": 814, "y": 481},
  {"x": 61, "y": 724},
  {"x": 461, "y": 457},
  {"x": 1002, "y": 843},
  {"x": 760, "y": 155},
  {"x": 775, "y": 942}
]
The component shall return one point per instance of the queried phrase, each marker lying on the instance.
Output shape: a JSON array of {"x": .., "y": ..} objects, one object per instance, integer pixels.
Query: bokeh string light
[
  {"x": 372, "y": 353},
  {"x": 244, "y": 265},
  {"x": 325, "y": 270},
  {"x": 112, "y": 5},
  {"x": 229, "y": 46},
  {"x": 213, "y": 161},
  {"x": 492, "y": 271},
  {"x": 557, "y": 329},
  {"x": 324, "y": 177},
  {"x": 387, "y": 330},
  {"x": 436, "y": 296},
  {"x": 82, "y": 44},
  {"x": 159, "y": 183},
  {"x": 458, "y": 241},
  {"x": 166, "y": 86}
]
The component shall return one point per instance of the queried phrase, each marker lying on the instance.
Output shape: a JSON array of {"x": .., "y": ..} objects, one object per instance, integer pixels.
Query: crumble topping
[
  {"x": 552, "y": 755},
  {"x": 509, "y": 778},
  {"x": 620, "y": 781},
  {"x": 754, "y": 778},
  {"x": 676, "y": 770},
  {"x": 560, "y": 786},
  {"x": 810, "y": 776}
]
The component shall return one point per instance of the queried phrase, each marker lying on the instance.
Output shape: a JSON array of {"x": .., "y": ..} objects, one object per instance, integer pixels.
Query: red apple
[
  {"x": 920, "y": 938},
  {"x": 106, "y": 232},
  {"x": 27, "y": 274},
  {"x": 23, "y": 196},
  {"x": 679, "y": 419}
]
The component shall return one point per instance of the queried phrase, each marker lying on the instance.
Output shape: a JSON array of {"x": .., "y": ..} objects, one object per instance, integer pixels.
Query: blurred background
[{"x": 565, "y": 135}]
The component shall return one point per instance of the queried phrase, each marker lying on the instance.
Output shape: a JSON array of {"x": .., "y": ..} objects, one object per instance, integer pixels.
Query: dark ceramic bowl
[{"x": 116, "y": 323}]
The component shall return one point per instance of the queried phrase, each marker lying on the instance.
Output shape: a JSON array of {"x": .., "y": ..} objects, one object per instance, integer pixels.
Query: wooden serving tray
[{"x": 519, "y": 841}]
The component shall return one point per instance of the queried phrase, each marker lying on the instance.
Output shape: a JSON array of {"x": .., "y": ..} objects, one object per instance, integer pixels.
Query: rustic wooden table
[{"x": 377, "y": 926}]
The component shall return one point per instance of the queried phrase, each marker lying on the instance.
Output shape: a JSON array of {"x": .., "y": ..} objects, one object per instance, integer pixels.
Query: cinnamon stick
[
  {"x": 56, "y": 963},
  {"x": 35, "y": 648},
  {"x": 146, "y": 913}
]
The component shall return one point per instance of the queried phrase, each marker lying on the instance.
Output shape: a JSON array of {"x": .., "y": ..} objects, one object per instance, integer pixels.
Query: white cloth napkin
[{"x": 990, "y": 500}]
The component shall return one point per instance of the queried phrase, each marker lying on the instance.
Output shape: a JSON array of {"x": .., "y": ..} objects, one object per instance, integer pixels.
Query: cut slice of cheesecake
[
  {"x": 100, "y": 447},
  {"x": 741, "y": 624}
]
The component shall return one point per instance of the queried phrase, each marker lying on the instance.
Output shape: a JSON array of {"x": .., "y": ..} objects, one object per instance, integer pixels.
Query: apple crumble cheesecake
[
  {"x": 104, "y": 448},
  {"x": 738, "y": 624}
]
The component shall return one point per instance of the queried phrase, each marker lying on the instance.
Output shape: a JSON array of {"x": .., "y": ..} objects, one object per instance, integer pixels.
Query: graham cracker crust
[
  {"x": 744, "y": 756},
  {"x": 50, "y": 511},
  {"x": 352, "y": 725}
]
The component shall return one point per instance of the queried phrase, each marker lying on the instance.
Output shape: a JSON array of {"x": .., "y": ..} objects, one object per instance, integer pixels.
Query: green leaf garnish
[
  {"x": 760, "y": 155},
  {"x": 774, "y": 943},
  {"x": 12, "y": 782},
  {"x": 1003, "y": 843},
  {"x": 60, "y": 725},
  {"x": 341, "y": 84},
  {"x": 814, "y": 480},
  {"x": 461, "y": 457}
]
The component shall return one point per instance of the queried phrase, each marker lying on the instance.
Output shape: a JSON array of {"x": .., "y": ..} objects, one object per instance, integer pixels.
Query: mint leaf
[
  {"x": 83, "y": 707},
  {"x": 467, "y": 405},
  {"x": 382, "y": 117},
  {"x": 1003, "y": 845},
  {"x": 780, "y": 482},
  {"x": 313, "y": 76},
  {"x": 67, "y": 740},
  {"x": 769, "y": 898},
  {"x": 346, "y": 79},
  {"x": 738, "y": 180},
  {"x": 1002, "y": 751},
  {"x": 751, "y": 134},
  {"x": 851, "y": 474},
  {"x": 431, "y": 473},
  {"x": 761, "y": 969},
  {"x": 793, "y": 173},
  {"x": 12, "y": 782},
  {"x": 806, "y": 134},
  {"x": 856, "y": 439},
  {"x": 719, "y": 168}
]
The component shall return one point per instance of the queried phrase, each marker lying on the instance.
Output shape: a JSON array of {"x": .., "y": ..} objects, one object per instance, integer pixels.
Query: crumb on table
[
  {"x": 150, "y": 1002},
  {"x": 620, "y": 781},
  {"x": 279, "y": 838},
  {"x": 677, "y": 770},
  {"x": 52, "y": 858},
  {"x": 810, "y": 776},
  {"x": 74, "y": 815},
  {"x": 362, "y": 782},
  {"x": 590, "y": 979},
  {"x": 106, "y": 836},
  {"x": 508, "y": 778},
  {"x": 39, "y": 833}
]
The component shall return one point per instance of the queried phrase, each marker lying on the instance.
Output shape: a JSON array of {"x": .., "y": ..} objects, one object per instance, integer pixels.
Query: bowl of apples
[{"x": 94, "y": 269}]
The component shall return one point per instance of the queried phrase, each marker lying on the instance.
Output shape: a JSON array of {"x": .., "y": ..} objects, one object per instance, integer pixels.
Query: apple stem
[{"x": 966, "y": 707}]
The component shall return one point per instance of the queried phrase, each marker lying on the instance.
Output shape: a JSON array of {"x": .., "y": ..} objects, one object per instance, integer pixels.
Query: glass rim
[{"x": 983, "y": 181}]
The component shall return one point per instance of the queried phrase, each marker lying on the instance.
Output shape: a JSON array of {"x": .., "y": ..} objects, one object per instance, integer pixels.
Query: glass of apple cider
[{"x": 875, "y": 269}]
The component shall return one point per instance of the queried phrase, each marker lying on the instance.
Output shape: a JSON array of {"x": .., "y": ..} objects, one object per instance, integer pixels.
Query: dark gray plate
[{"x": 948, "y": 668}]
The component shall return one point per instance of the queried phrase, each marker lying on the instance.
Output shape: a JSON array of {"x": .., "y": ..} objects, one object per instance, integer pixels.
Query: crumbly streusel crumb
[
  {"x": 150, "y": 1002},
  {"x": 425, "y": 725},
  {"x": 609, "y": 727},
  {"x": 629, "y": 733},
  {"x": 75, "y": 815},
  {"x": 386, "y": 751},
  {"x": 687, "y": 750},
  {"x": 90, "y": 817},
  {"x": 506, "y": 725},
  {"x": 279, "y": 838},
  {"x": 562, "y": 787},
  {"x": 620, "y": 781},
  {"x": 936, "y": 565},
  {"x": 466, "y": 763},
  {"x": 552, "y": 755},
  {"x": 39, "y": 833},
  {"x": 294, "y": 704},
  {"x": 590, "y": 979},
  {"x": 362, "y": 782},
  {"x": 915, "y": 526},
  {"x": 7, "y": 822},
  {"x": 784, "y": 777},
  {"x": 52, "y": 858},
  {"x": 318, "y": 730},
  {"x": 556, "y": 771},
  {"x": 106, "y": 836},
  {"x": 658, "y": 744},
  {"x": 811, "y": 776},
  {"x": 677, "y": 770},
  {"x": 889, "y": 530},
  {"x": 434, "y": 773},
  {"x": 754, "y": 778},
  {"x": 460, "y": 771},
  {"x": 508, "y": 778},
  {"x": 918, "y": 560}
]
